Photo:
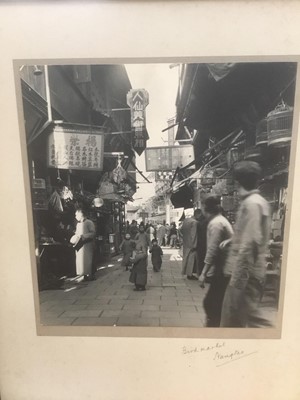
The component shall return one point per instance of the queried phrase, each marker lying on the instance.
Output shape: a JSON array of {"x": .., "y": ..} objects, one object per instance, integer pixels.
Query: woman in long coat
[
  {"x": 138, "y": 274},
  {"x": 83, "y": 241},
  {"x": 189, "y": 232}
]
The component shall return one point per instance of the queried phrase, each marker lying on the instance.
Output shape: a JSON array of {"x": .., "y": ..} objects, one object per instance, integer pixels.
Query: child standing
[
  {"x": 156, "y": 253},
  {"x": 127, "y": 247},
  {"x": 138, "y": 274}
]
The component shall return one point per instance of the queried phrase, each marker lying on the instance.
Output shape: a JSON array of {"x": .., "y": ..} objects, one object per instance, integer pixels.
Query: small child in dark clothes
[
  {"x": 127, "y": 246},
  {"x": 156, "y": 253}
]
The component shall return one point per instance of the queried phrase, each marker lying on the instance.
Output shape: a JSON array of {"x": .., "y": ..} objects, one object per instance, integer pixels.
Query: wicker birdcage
[
  {"x": 279, "y": 124},
  {"x": 262, "y": 132},
  {"x": 252, "y": 153}
]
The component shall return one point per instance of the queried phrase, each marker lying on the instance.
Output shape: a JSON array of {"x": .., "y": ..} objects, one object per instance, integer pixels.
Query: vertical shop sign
[
  {"x": 138, "y": 99},
  {"x": 81, "y": 149}
]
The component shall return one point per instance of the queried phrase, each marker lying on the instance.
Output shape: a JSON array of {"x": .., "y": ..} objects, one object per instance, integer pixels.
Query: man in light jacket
[{"x": 246, "y": 263}]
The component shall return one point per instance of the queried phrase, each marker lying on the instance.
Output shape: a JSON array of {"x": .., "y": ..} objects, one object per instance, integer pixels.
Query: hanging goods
[
  {"x": 119, "y": 174},
  {"x": 262, "y": 133},
  {"x": 279, "y": 124}
]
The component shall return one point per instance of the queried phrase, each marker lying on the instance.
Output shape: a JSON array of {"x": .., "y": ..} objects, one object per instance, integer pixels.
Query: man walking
[
  {"x": 218, "y": 230},
  {"x": 246, "y": 262}
]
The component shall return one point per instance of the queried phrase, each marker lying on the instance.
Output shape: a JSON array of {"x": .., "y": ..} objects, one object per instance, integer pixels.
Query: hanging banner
[
  {"x": 138, "y": 99},
  {"x": 168, "y": 158},
  {"x": 76, "y": 147}
]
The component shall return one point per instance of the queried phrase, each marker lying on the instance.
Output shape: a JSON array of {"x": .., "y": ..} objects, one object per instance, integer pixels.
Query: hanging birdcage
[
  {"x": 262, "y": 133},
  {"x": 253, "y": 153},
  {"x": 279, "y": 124}
]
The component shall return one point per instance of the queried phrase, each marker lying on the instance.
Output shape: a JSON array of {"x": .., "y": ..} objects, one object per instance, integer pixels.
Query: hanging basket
[{"x": 279, "y": 125}]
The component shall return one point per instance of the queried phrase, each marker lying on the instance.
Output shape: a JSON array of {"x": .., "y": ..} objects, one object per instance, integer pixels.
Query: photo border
[{"x": 157, "y": 332}]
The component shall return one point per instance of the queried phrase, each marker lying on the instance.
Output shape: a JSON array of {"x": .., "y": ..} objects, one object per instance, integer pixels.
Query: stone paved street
[{"x": 170, "y": 299}]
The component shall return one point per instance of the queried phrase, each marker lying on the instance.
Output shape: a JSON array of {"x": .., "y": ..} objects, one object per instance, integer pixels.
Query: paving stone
[
  {"x": 142, "y": 307},
  {"x": 152, "y": 302},
  {"x": 51, "y": 314},
  {"x": 123, "y": 313},
  {"x": 186, "y": 303},
  {"x": 93, "y": 301},
  {"x": 137, "y": 321},
  {"x": 81, "y": 313},
  {"x": 178, "y": 308},
  {"x": 133, "y": 301},
  {"x": 68, "y": 307},
  {"x": 160, "y": 314},
  {"x": 105, "y": 307},
  {"x": 169, "y": 302},
  {"x": 95, "y": 321},
  {"x": 190, "y": 315},
  {"x": 57, "y": 321},
  {"x": 57, "y": 302}
]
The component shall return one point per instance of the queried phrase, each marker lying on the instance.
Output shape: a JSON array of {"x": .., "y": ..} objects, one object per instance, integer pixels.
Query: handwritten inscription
[
  {"x": 188, "y": 350},
  {"x": 219, "y": 353}
]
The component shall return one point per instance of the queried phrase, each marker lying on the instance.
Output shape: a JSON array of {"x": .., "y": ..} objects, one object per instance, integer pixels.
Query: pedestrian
[
  {"x": 173, "y": 235},
  {"x": 161, "y": 232},
  {"x": 150, "y": 234},
  {"x": 218, "y": 230},
  {"x": 138, "y": 274},
  {"x": 127, "y": 247},
  {"x": 83, "y": 242},
  {"x": 246, "y": 263},
  {"x": 156, "y": 255},
  {"x": 142, "y": 238},
  {"x": 167, "y": 236},
  {"x": 133, "y": 229},
  {"x": 189, "y": 232},
  {"x": 201, "y": 242}
]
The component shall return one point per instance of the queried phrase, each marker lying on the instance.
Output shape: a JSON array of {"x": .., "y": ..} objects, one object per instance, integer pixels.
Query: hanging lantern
[
  {"x": 98, "y": 202},
  {"x": 279, "y": 124}
]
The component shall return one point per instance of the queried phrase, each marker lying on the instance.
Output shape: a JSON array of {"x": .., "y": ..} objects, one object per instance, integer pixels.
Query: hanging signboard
[
  {"x": 168, "y": 158},
  {"x": 138, "y": 99},
  {"x": 76, "y": 147}
]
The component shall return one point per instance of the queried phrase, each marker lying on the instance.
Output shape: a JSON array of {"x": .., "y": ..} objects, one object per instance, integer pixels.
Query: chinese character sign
[
  {"x": 138, "y": 100},
  {"x": 75, "y": 149}
]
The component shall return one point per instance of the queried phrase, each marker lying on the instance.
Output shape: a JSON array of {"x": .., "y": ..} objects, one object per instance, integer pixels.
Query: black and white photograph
[
  {"x": 149, "y": 217},
  {"x": 158, "y": 191}
]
